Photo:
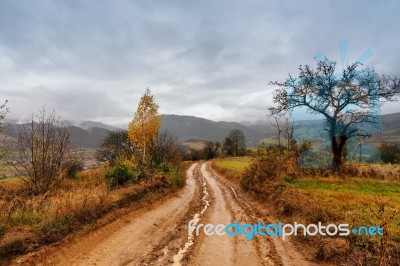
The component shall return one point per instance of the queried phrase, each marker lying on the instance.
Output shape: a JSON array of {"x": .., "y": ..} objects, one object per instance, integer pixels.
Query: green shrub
[
  {"x": 176, "y": 179},
  {"x": 21, "y": 217},
  {"x": 73, "y": 169},
  {"x": 120, "y": 174},
  {"x": 164, "y": 167}
]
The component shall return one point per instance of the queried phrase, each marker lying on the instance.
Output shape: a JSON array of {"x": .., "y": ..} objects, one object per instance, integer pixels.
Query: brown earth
[{"x": 158, "y": 234}]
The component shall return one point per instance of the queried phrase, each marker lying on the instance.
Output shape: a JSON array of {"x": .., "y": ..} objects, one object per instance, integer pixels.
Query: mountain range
[{"x": 89, "y": 134}]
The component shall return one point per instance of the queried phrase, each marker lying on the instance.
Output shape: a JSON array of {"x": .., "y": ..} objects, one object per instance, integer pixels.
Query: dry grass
[
  {"x": 389, "y": 172},
  {"x": 359, "y": 195},
  {"x": 196, "y": 145},
  {"x": 27, "y": 220}
]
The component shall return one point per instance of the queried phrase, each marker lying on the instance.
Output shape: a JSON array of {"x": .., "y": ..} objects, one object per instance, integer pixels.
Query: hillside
[
  {"x": 82, "y": 138},
  {"x": 90, "y": 134},
  {"x": 191, "y": 127}
]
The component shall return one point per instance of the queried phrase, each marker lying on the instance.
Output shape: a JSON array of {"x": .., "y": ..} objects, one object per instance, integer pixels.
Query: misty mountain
[
  {"x": 89, "y": 134},
  {"x": 80, "y": 137},
  {"x": 196, "y": 128},
  {"x": 90, "y": 125}
]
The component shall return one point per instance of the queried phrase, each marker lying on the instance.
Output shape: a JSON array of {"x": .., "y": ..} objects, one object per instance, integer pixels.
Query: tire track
[
  {"x": 283, "y": 251},
  {"x": 196, "y": 218},
  {"x": 132, "y": 239}
]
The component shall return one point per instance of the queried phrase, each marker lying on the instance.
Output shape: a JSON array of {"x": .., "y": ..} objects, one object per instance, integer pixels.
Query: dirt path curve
[
  {"x": 157, "y": 235},
  {"x": 269, "y": 250},
  {"x": 131, "y": 240}
]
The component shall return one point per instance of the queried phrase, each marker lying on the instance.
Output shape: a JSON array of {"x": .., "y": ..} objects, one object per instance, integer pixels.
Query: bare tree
[
  {"x": 43, "y": 146},
  {"x": 165, "y": 149},
  {"x": 277, "y": 125},
  {"x": 283, "y": 127},
  {"x": 348, "y": 101}
]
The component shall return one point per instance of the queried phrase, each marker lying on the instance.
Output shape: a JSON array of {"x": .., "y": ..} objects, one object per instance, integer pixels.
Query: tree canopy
[
  {"x": 349, "y": 101},
  {"x": 235, "y": 143}
]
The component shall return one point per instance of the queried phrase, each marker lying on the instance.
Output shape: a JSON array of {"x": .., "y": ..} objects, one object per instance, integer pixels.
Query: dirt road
[{"x": 158, "y": 234}]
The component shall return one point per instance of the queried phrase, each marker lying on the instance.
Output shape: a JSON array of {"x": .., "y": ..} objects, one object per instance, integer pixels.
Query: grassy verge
[
  {"x": 232, "y": 168},
  {"x": 29, "y": 221},
  {"x": 309, "y": 198}
]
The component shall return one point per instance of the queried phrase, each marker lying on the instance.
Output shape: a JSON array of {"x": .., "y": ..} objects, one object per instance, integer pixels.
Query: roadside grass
[
  {"x": 353, "y": 201},
  {"x": 32, "y": 220},
  {"x": 6, "y": 171},
  {"x": 10, "y": 179},
  {"x": 235, "y": 164},
  {"x": 367, "y": 195}
]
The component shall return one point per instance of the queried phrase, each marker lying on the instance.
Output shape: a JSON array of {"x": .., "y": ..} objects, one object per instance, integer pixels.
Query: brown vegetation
[
  {"x": 28, "y": 221},
  {"x": 358, "y": 195}
]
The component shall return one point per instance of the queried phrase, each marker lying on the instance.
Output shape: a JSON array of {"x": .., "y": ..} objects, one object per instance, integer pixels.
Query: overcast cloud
[{"x": 92, "y": 60}]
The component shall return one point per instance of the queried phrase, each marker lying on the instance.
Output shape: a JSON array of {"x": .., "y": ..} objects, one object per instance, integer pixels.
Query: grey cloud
[{"x": 93, "y": 59}]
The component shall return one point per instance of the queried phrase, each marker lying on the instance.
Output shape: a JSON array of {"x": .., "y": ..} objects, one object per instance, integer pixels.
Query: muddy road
[{"x": 158, "y": 234}]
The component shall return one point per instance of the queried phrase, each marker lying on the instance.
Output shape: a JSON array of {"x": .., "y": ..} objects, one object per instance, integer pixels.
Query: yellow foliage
[{"x": 144, "y": 127}]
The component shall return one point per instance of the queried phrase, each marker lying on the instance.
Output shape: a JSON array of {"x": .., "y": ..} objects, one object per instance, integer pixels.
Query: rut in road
[
  {"x": 227, "y": 250},
  {"x": 158, "y": 235},
  {"x": 133, "y": 239}
]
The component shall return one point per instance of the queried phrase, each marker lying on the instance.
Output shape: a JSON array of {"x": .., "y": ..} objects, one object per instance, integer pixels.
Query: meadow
[
  {"x": 28, "y": 220},
  {"x": 364, "y": 195}
]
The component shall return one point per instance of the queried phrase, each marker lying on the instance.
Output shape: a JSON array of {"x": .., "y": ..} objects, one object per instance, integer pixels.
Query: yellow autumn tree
[{"x": 144, "y": 128}]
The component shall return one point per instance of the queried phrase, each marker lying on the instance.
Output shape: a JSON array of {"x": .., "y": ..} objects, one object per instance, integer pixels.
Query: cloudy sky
[{"x": 92, "y": 60}]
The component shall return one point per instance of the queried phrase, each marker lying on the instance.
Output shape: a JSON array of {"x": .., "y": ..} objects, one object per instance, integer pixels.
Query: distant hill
[
  {"x": 89, "y": 125},
  {"x": 191, "y": 127},
  {"x": 82, "y": 138},
  {"x": 89, "y": 134},
  {"x": 391, "y": 128},
  {"x": 90, "y": 138}
]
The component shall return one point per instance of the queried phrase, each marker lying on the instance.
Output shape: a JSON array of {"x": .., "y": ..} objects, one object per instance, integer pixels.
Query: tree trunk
[{"x": 338, "y": 145}]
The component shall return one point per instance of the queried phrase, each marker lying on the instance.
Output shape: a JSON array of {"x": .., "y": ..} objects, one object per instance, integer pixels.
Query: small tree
[
  {"x": 43, "y": 146},
  {"x": 390, "y": 152},
  {"x": 165, "y": 150},
  {"x": 115, "y": 145},
  {"x": 212, "y": 150},
  {"x": 228, "y": 146},
  {"x": 144, "y": 128},
  {"x": 235, "y": 143},
  {"x": 283, "y": 127},
  {"x": 348, "y": 101}
]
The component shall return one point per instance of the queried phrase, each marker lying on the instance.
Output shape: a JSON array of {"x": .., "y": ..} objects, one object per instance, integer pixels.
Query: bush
[
  {"x": 120, "y": 174},
  {"x": 164, "y": 167},
  {"x": 177, "y": 179},
  {"x": 73, "y": 169},
  {"x": 390, "y": 152},
  {"x": 267, "y": 171}
]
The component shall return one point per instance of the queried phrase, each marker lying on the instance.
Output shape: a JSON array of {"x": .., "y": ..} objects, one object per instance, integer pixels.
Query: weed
[
  {"x": 21, "y": 217},
  {"x": 176, "y": 179}
]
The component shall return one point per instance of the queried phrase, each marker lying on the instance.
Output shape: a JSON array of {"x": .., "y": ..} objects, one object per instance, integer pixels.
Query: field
[
  {"x": 329, "y": 198},
  {"x": 237, "y": 164},
  {"x": 28, "y": 220},
  {"x": 355, "y": 201}
]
